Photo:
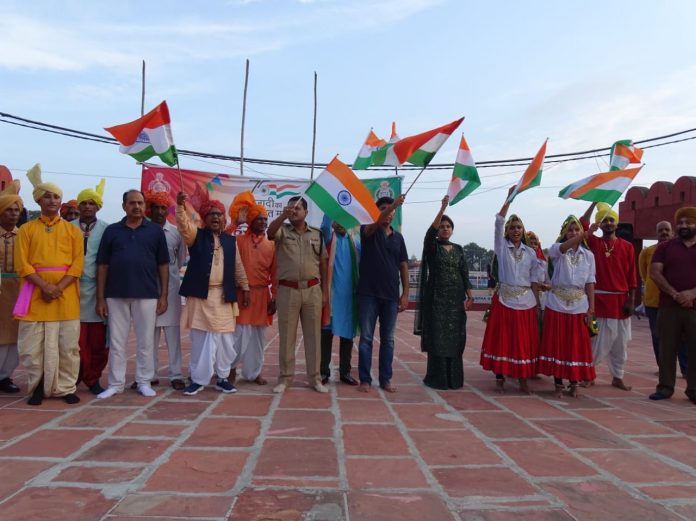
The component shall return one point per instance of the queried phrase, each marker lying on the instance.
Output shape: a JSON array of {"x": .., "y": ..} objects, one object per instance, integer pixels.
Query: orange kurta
[
  {"x": 10, "y": 286},
  {"x": 48, "y": 243},
  {"x": 258, "y": 257}
]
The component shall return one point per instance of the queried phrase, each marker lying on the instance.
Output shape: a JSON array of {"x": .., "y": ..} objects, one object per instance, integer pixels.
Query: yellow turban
[
  {"x": 688, "y": 212},
  {"x": 604, "y": 211},
  {"x": 40, "y": 188},
  {"x": 10, "y": 196},
  {"x": 96, "y": 194}
]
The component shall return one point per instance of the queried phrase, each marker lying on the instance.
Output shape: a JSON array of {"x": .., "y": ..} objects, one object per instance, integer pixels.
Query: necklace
[
  {"x": 607, "y": 249},
  {"x": 516, "y": 254},
  {"x": 254, "y": 241},
  {"x": 49, "y": 222},
  {"x": 573, "y": 257}
]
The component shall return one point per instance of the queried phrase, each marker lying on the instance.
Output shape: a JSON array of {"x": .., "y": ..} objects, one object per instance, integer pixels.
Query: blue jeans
[
  {"x": 681, "y": 355},
  {"x": 386, "y": 310}
]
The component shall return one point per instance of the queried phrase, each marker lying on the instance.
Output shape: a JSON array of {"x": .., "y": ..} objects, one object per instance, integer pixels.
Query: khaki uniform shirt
[{"x": 298, "y": 254}]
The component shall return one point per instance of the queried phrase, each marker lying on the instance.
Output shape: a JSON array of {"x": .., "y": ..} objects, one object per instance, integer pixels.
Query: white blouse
[
  {"x": 571, "y": 271},
  {"x": 518, "y": 268}
]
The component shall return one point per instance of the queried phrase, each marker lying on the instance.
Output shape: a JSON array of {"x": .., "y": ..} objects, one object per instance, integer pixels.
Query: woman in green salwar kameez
[{"x": 444, "y": 296}]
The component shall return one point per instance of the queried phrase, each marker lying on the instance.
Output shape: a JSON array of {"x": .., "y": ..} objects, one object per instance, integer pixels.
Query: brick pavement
[{"x": 467, "y": 455}]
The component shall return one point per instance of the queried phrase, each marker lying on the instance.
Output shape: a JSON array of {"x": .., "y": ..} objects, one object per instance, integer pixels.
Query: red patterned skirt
[
  {"x": 566, "y": 350},
  {"x": 511, "y": 341}
]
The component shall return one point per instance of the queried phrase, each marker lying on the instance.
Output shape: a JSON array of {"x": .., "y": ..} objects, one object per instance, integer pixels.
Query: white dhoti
[
  {"x": 50, "y": 350},
  {"x": 249, "y": 342},
  {"x": 210, "y": 353},
  {"x": 9, "y": 360},
  {"x": 611, "y": 343},
  {"x": 143, "y": 313},
  {"x": 172, "y": 336}
]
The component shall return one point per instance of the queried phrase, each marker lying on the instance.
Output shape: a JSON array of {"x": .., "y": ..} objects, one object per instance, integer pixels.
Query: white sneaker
[
  {"x": 279, "y": 388},
  {"x": 146, "y": 390},
  {"x": 108, "y": 393},
  {"x": 320, "y": 388}
]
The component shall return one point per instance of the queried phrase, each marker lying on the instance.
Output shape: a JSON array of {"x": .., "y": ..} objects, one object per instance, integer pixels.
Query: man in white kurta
[{"x": 158, "y": 205}]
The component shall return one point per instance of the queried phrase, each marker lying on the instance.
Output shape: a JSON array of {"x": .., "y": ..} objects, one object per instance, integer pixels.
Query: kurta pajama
[
  {"x": 93, "y": 352},
  {"x": 211, "y": 320},
  {"x": 258, "y": 257},
  {"x": 48, "y": 338},
  {"x": 9, "y": 356}
]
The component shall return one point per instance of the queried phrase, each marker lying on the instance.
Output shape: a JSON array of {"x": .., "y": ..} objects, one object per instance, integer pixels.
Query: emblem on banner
[
  {"x": 279, "y": 190},
  {"x": 384, "y": 190},
  {"x": 158, "y": 184}
]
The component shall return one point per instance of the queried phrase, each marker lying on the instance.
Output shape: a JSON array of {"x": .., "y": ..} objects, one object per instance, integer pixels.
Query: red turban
[
  {"x": 208, "y": 205},
  {"x": 255, "y": 211},
  {"x": 72, "y": 203},
  {"x": 158, "y": 198}
]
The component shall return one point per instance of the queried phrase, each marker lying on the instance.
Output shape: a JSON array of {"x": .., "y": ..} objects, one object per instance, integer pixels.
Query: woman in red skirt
[
  {"x": 566, "y": 351},
  {"x": 511, "y": 341}
]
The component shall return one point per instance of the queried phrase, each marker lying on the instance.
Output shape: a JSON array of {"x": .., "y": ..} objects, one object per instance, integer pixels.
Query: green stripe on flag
[
  {"x": 330, "y": 206},
  {"x": 168, "y": 157},
  {"x": 598, "y": 195},
  {"x": 421, "y": 158},
  {"x": 469, "y": 174},
  {"x": 362, "y": 163}
]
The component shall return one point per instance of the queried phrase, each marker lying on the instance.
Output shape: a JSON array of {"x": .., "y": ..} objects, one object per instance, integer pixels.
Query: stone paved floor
[{"x": 415, "y": 455}]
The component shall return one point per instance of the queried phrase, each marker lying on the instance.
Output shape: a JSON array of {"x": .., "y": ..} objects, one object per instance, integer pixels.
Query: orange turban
[
  {"x": 72, "y": 203},
  {"x": 255, "y": 211},
  {"x": 688, "y": 212},
  {"x": 242, "y": 199},
  {"x": 158, "y": 198},
  {"x": 208, "y": 205}
]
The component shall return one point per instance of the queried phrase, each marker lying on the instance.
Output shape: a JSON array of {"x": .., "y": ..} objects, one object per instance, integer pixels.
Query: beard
[{"x": 687, "y": 233}]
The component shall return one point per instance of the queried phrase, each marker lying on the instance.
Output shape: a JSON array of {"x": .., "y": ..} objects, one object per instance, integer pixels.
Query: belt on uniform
[
  {"x": 299, "y": 284},
  {"x": 508, "y": 291},
  {"x": 568, "y": 294}
]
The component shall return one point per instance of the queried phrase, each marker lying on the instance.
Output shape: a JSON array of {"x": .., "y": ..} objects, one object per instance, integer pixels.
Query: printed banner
[{"x": 273, "y": 194}]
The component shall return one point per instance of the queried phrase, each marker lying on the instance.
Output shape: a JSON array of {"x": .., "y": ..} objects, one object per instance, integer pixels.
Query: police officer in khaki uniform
[{"x": 301, "y": 267}]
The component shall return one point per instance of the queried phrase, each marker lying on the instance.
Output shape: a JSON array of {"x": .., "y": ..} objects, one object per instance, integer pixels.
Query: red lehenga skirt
[
  {"x": 511, "y": 341},
  {"x": 566, "y": 350}
]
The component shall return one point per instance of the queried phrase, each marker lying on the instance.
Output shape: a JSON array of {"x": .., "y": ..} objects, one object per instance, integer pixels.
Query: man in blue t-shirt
[
  {"x": 383, "y": 262},
  {"x": 132, "y": 258}
]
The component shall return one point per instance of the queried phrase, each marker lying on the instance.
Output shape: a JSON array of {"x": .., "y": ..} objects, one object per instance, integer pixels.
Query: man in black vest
[{"x": 214, "y": 273}]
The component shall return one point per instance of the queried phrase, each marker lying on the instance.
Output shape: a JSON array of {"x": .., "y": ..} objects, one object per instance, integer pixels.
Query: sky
[{"x": 583, "y": 74}]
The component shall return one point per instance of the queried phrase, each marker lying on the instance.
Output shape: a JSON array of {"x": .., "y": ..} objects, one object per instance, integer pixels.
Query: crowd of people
[{"x": 73, "y": 286}]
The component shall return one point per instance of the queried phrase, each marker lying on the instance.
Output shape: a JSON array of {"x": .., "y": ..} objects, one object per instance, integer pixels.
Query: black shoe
[
  {"x": 71, "y": 399},
  {"x": 134, "y": 386},
  {"x": 8, "y": 386},
  {"x": 178, "y": 385},
  {"x": 37, "y": 396},
  {"x": 96, "y": 389},
  {"x": 324, "y": 380},
  {"x": 348, "y": 379},
  {"x": 658, "y": 396}
]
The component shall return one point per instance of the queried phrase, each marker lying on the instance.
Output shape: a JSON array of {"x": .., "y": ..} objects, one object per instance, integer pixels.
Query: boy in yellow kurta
[{"x": 49, "y": 259}]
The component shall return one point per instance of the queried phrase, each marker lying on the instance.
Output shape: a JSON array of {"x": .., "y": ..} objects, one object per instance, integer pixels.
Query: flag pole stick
[
  {"x": 244, "y": 99},
  {"x": 314, "y": 128},
  {"x": 142, "y": 92},
  {"x": 414, "y": 181}
]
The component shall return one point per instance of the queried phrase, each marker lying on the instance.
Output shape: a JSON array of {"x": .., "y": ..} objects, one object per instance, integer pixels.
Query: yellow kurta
[{"x": 43, "y": 243}]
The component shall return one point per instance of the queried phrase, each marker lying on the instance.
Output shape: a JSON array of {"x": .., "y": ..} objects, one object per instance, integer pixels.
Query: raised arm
[
  {"x": 276, "y": 223},
  {"x": 504, "y": 209},
  {"x": 588, "y": 214},
  {"x": 370, "y": 229},
  {"x": 441, "y": 212},
  {"x": 187, "y": 229}
]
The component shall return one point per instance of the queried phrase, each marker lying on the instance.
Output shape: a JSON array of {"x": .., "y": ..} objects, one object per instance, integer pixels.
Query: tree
[{"x": 477, "y": 256}]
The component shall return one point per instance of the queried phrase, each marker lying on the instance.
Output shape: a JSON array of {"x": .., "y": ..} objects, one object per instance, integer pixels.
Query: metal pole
[
  {"x": 241, "y": 147},
  {"x": 314, "y": 127}
]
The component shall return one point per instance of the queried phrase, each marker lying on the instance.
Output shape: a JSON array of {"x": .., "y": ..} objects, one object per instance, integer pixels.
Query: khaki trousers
[
  {"x": 303, "y": 305},
  {"x": 50, "y": 350}
]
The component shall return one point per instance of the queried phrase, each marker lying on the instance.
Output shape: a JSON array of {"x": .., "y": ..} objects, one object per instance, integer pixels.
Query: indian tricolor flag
[
  {"x": 623, "y": 153},
  {"x": 531, "y": 176},
  {"x": 148, "y": 136},
  {"x": 364, "y": 159},
  {"x": 382, "y": 157},
  {"x": 420, "y": 149},
  {"x": 341, "y": 195},
  {"x": 606, "y": 187},
  {"x": 465, "y": 178}
]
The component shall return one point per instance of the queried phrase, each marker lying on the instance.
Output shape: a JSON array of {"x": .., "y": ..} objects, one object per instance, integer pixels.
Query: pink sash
[{"x": 24, "y": 297}]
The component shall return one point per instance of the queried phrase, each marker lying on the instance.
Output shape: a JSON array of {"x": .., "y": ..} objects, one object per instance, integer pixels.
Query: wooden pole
[
  {"x": 314, "y": 127},
  {"x": 142, "y": 92},
  {"x": 416, "y": 179},
  {"x": 241, "y": 144}
]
